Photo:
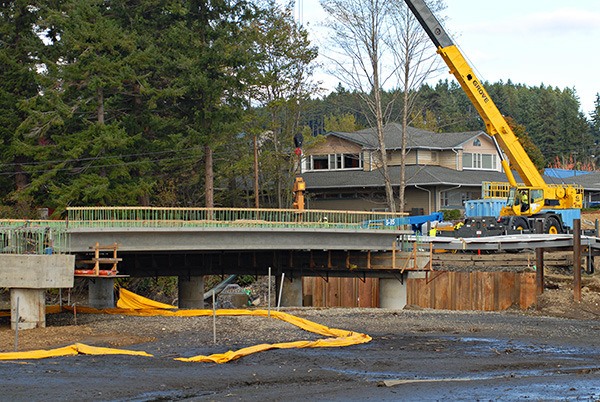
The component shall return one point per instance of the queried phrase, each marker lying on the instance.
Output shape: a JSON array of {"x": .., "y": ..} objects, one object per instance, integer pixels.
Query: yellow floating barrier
[
  {"x": 71, "y": 350},
  {"x": 130, "y": 303}
]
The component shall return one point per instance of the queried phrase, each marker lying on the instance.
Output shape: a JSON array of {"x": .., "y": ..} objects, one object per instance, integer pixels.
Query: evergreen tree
[
  {"x": 20, "y": 47},
  {"x": 76, "y": 118},
  {"x": 595, "y": 126},
  {"x": 208, "y": 48},
  {"x": 345, "y": 123}
]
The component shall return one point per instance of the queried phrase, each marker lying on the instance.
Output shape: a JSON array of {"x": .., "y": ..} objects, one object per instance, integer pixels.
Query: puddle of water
[
  {"x": 488, "y": 375},
  {"x": 167, "y": 395},
  {"x": 478, "y": 345}
]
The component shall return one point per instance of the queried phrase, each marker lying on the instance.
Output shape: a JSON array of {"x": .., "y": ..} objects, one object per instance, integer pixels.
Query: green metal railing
[
  {"x": 222, "y": 217},
  {"x": 27, "y": 239}
]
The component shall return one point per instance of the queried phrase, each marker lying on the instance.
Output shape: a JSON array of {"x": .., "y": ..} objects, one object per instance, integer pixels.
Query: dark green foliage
[
  {"x": 245, "y": 280},
  {"x": 130, "y": 98},
  {"x": 451, "y": 214},
  {"x": 20, "y": 49}
]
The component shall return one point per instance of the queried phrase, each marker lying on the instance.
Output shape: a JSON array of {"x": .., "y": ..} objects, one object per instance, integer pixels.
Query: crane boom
[
  {"x": 495, "y": 123},
  {"x": 541, "y": 195}
]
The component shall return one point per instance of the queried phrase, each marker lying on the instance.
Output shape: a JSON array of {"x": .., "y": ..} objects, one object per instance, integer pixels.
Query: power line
[
  {"x": 92, "y": 158},
  {"x": 75, "y": 168}
]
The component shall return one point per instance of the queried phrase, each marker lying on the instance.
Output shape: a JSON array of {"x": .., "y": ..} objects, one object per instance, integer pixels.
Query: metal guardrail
[
  {"x": 222, "y": 217},
  {"x": 26, "y": 239}
]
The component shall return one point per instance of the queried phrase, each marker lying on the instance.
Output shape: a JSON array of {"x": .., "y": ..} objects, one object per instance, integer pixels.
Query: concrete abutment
[
  {"x": 291, "y": 293},
  {"x": 392, "y": 292}
]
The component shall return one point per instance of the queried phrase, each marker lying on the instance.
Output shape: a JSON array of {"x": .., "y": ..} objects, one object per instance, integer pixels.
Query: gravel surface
[
  {"x": 414, "y": 355},
  {"x": 549, "y": 353}
]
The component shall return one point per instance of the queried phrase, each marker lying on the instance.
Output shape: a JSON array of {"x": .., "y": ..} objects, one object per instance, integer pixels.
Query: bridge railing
[{"x": 223, "y": 217}]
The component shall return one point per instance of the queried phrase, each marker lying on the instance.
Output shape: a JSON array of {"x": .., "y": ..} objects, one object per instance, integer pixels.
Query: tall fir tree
[{"x": 20, "y": 48}]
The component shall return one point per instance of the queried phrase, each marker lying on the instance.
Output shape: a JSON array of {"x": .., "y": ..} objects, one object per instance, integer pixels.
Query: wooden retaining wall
[
  {"x": 500, "y": 261},
  {"x": 487, "y": 291},
  {"x": 340, "y": 292}
]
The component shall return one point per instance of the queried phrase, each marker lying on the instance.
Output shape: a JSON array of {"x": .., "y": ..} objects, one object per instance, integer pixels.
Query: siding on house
[
  {"x": 369, "y": 161},
  {"x": 335, "y": 145},
  {"x": 449, "y": 159},
  {"x": 394, "y": 157},
  {"x": 427, "y": 157},
  {"x": 418, "y": 199},
  {"x": 486, "y": 147},
  {"x": 354, "y": 204}
]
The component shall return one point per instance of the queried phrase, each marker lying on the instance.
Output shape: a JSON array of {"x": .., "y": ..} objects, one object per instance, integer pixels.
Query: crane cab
[{"x": 523, "y": 201}]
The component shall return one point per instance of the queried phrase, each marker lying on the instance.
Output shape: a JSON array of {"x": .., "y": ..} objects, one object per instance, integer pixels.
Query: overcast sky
[{"x": 530, "y": 42}]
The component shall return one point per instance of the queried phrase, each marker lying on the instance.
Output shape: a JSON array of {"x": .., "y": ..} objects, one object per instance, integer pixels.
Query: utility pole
[{"x": 256, "y": 188}]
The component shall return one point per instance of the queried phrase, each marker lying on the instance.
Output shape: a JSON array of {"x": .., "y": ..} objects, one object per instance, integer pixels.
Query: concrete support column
[
  {"x": 101, "y": 292},
  {"x": 392, "y": 293},
  {"x": 191, "y": 291},
  {"x": 291, "y": 294},
  {"x": 27, "y": 276},
  {"x": 30, "y": 306}
]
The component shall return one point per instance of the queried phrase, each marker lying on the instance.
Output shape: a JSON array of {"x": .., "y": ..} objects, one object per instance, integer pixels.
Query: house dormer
[{"x": 334, "y": 154}]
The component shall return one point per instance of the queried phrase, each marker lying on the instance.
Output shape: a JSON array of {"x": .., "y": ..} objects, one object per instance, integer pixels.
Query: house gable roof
[
  {"x": 416, "y": 175},
  {"x": 416, "y": 138},
  {"x": 589, "y": 181},
  {"x": 419, "y": 175}
]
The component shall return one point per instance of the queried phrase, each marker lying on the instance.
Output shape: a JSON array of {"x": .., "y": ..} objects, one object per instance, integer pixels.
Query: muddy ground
[
  {"x": 414, "y": 355},
  {"x": 548, "y": 353}
]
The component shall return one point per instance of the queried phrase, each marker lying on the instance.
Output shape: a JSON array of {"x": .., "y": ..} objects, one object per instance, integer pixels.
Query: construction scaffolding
[{"x": 34, "y": 240}]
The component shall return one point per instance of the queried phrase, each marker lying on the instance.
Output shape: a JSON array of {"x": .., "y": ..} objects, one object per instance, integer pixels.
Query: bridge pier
[
  {"x": 191, "y": 291},
  {"x": 29, "y": 305},
  {"x": 291, "y": 293},
  {"x": 392, "y": 292},
  {"x": 101, "y": 292},
  {"x": 28, "y": 276}
]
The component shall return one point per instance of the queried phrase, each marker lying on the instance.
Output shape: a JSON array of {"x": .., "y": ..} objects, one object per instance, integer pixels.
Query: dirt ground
[
  {"x": 414, "y": 355},
  {"x": 588, "y": 219},
  {"x": 551, "y": 352}
]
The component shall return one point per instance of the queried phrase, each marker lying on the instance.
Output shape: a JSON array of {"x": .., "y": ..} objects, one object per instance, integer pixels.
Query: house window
[
  {"x": 306, "y": 161},
  {"x": 476, "y": 142},
  {"x": 480, "y": 161},
  {"x": 320, "y": 162},
  {"x": 488, "y": 161},
  {"x": 467, "y": 196},
  {"x": 333, "y": 162},
  {"x": 444, "y": 199},
  {"x": 352, "y": 161}
]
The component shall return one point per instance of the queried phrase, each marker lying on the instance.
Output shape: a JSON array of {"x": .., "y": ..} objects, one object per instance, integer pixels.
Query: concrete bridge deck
[{"x": 165, "y": 239}]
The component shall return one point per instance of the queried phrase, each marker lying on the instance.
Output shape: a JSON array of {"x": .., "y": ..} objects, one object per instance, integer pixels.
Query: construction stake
[{"x": 577, "y": 260}]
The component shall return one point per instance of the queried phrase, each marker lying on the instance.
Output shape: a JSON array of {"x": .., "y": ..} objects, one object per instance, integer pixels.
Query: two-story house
[{"x": 443, "y": 170}]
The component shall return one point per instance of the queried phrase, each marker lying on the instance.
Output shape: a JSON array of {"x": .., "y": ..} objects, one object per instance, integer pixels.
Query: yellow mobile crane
[{"x": 535, "y": 200}]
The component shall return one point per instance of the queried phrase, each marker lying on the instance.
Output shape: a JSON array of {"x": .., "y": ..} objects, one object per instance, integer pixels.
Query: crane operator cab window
[{"x": 523, "y": 200}]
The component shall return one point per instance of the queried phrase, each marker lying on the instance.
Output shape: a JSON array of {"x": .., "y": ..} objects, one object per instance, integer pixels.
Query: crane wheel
[
  {"x": 552, "y": 225},
  {"x": 520, "y": 224}
]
